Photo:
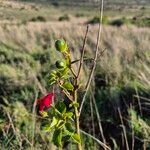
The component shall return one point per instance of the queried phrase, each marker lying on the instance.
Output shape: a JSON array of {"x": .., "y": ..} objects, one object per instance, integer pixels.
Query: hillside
[{"x": 117, "y": 105}]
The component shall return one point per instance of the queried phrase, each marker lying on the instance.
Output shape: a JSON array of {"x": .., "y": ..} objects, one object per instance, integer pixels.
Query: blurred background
[{"x": 118, "y": 101}]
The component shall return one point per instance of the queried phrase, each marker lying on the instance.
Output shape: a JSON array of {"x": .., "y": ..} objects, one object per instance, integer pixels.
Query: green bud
[
  {"x": 61, "y": 45},
  {"x": 60, "y": 64}
]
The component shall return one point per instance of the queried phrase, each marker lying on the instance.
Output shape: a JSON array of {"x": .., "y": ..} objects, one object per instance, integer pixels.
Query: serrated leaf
[
  {"x": 68, "y": 86},
  {"x": 57, "y": 138},
  {"x": 76, "y": 138},
  {"x": 69, "y": 127}
]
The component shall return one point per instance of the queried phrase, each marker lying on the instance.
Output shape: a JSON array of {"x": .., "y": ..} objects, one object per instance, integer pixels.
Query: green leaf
[
  {"x": 44, "y": 114},
  {"x": 61, "y": 107},
  {"x": 54, "y": 122},
  {"x": 53, "y": 75},
  {"x": 66, "y": 138},
  {"x": 52, "y": 81},
  {"x": 76, "y": 138},
  {"x": 68, "y": 86},
  {"x": 75, "y": 104},
  {"x": 60, "y": 124},
  {"x": 64, "y": 71},
  {"x": 46, "y": 128},
  {"x": 57, "y": 138},
  {"x": 69, "y": 127},
  {"x": 69, "y": 114}
]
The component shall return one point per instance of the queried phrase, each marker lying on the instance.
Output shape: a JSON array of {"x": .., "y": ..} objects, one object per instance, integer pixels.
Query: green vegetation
[
  {"x": 141, "y": 22},
  {"x": 137, "y": 21},
  {"x": 96, "y": 20},
  {"x": 64, "y": 18},
  {"x": 120, "y": 86},
  {"x": 38, "y": 18}
]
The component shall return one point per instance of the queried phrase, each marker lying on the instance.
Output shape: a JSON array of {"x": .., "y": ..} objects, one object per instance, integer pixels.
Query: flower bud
[
  {"x": 61, "y": 45},
  {"x": 60, "y": 64}
]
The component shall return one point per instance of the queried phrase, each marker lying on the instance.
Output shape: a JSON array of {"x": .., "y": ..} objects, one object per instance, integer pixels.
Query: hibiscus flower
[{"x": 45, "y": 102}]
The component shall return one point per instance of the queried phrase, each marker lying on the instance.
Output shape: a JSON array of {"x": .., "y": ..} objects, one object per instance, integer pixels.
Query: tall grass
[{"x": 122, "y": 79}]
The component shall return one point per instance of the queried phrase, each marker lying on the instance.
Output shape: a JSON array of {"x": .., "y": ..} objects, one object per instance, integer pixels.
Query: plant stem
[{"x": 79, "y": 147}]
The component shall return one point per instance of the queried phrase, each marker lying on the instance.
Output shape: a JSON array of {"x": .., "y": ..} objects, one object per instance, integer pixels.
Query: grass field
[{"x": 121, "y": 82}]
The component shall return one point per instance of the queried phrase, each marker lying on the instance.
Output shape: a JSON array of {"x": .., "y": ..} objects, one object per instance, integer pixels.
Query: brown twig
[
  {"x": 73, "y": 72},
  {"x": 86, "y": 59},
  {"x": 124, "y": 129},
  {"x": 74, "y": 92},
  {"x": 95, "y": 139},
  {"x": 139, "y": 102},
  {"x": 133, "y": 140},
  {"x": 34, "y": 119},
  {"x": 95, "y": 56},
  {"x": 83, "y": 51},
  {"x": 14, "y": 130},
  {"x": 92, "y": 118},
  {"x": 99, "y": 120}
]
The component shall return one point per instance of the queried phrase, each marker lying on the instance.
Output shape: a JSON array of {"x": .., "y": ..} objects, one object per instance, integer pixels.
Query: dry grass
[
  {"x": 124, "y": 45},
  {"x": 27, "y": 53}
]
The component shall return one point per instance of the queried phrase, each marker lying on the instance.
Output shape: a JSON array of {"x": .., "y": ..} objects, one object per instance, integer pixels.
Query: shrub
[
  {"x": 141, "y": 22},
  {"x": 119, "y": 22},
  {"x": 79, "y": 15},
  {"x": 64, "y": 18},
  {"x": 54, "y": 3},
  {"x": 96, "y": 20},
  {"x": 38, "y": 18}
]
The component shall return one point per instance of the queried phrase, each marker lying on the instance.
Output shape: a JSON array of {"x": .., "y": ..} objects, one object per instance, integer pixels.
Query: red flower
[{"x": 46, "y": 101}]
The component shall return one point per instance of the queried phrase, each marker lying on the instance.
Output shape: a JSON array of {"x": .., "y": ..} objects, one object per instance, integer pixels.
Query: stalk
[{"x": 79, "y": 147}]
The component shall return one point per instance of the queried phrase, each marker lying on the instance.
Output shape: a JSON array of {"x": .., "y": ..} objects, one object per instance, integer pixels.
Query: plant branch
[
  {"x": 99, "y": 119},
  {"x": 34, "y": 119},
  {"x": 65, "y": 92},
  {"x": 77, "y": 119},
  {"x": 95, "y": 139},
  {"x": 73, "y": 72},
  {"x": 14, "y": 130},
  {"x": 83, "y": 51},
  {"x": 95, "y": 56},
  {"x": 85, "y": 59},
  {"x": 124, "y": 129}
]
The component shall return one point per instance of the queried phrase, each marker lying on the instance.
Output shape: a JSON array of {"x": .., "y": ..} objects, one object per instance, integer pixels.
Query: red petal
[
  {"x": 41, "y": 108},
  {"x": 45, "y": 101},
  {"x": 38, "y": 101}
]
